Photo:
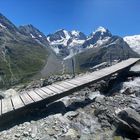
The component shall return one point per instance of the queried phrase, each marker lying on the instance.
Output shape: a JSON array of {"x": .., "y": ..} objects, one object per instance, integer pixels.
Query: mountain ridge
[{"x": 26, "y": 52}]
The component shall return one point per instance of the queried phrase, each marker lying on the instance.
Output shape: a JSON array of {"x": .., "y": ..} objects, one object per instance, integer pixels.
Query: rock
[
  {"x": 9, "y": 93},
  {"x": 93, "y": 95},
  {"x": 73, "y": 134},
  {"x": 100, "y": 99},
  {"x": 128, "y": 91},
  {"x": 17, "y": 135},
  {"x": 71, "y": 114},
  {"x": 50, "y": 131},
  {"x": 47, "y": 137},
  {"x": 136, "y": 104},
  {"x": 118, "y": 138},
  {"x": 25, "y": 134},
  {"x": 130, "y": 120},
  {"x": 33, "y": 131}
]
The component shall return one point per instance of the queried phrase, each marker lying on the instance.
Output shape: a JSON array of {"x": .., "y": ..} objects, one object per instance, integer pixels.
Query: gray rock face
[
  {"x": 34, "y": 33},
  {"x": 59, "y": 35},
  {"x": 131, "y": 120},
  {"x": 71, "y": 114},
  {"x": 115, "y": 48}
]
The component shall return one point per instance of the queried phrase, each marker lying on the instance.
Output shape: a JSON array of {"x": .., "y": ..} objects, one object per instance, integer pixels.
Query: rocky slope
[
  {"x": 21, "y": 56},
  {"x": 114, "y": 49},
  {"x": 34, "y": 33},
  {"x": 85, "y": 115}
]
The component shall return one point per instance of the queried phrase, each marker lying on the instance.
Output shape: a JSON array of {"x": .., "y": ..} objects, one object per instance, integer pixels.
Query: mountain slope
[
  {"x": 100, "y": 46},
  {"x": 26, "y": 52},
  {"x": 114, "y": 49},
  {"x": 34, "y": 33},
  {"x": 20, "y": 56}
]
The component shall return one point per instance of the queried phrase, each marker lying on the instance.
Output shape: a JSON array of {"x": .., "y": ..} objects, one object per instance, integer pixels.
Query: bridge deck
[{"x": 60, "y": 89}]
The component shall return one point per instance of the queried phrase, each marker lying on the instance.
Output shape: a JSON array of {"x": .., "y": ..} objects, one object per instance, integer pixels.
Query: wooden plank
[
  {"x": 26, "y": 98},
  {"x": 56, "y": 90},
  {"x": 6, "y": 105},
  {"x": 17, "y": 102},
  {"x": 73, "y": 81},
  {"x": 65, "y": 83},
  {"x": 48, "y": 91},
  {"x": 84, "y": 79},
  {"x": 41, "y": 93},
  {"x": 61, "y": 87},
  {"x": 0, "y": 107},
  {"x": 34, "y": 96}
]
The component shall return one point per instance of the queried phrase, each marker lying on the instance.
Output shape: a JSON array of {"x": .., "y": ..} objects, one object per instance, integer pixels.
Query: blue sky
[{"x": 121, "y": 17}]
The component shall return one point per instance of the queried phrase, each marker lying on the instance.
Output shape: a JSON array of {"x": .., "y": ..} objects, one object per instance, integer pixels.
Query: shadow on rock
[{"x": 51, "y": 109}]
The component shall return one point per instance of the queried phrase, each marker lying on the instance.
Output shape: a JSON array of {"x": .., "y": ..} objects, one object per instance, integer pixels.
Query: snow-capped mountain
[
  {"x": 134, "y": 42},
  {"x": 97, "y": 38},
  {"x": 68, "y": 43},
  {"x": 66, "y": 38},
  {"x": 65, "y": 42}
]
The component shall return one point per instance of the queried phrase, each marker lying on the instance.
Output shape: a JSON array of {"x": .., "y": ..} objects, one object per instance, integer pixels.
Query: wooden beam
[
  {"x": 26, "y": 98},
  {"x": 17, "y": 102},
  {"x": 6, "y": 105},
  {"x": 35, "y": 97}
]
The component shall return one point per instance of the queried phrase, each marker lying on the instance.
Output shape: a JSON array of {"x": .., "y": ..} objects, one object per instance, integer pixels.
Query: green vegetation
[{"x": 21, "y": 62}]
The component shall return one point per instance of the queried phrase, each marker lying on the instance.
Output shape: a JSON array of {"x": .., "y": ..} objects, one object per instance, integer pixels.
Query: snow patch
[
  {"x": 32, "y": 36},
  {"x": 66, "y": 34},
  {"x": 75, "y": 33},
  {"x": 55, "y": 49},
  {"x": 99, "y": 43},
  {"x": 2, "y": 26},
  {"x": 40, "y": 36},
  {"x": 100, "y": 29},
  {"x": 76, "y": 42},
  {"x": 48, "y": 38},
  {"x": 133, "y": 42}
]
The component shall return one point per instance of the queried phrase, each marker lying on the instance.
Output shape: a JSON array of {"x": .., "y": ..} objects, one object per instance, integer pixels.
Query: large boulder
[{"x": 129, "y": 120}]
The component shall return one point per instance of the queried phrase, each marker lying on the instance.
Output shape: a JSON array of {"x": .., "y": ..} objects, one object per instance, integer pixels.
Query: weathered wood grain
[
  {"x": 17, "y": 102},
  {"x": 26, "y": 98},
  {"x": 6, "y": 105}
]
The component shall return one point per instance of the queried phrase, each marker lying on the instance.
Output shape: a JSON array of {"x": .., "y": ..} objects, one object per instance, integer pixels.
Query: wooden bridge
[{"x": 58, "y": 90}]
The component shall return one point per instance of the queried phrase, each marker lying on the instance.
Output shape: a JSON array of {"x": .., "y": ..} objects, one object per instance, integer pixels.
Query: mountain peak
[
  {"x": 101, "y": 29},
  {"x": 101, "y": 33},
  {"x": 75, "y": 32},
  {"x": 32, "y": 31},
  {"x": 6, "y": 24}
]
